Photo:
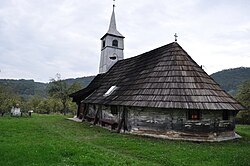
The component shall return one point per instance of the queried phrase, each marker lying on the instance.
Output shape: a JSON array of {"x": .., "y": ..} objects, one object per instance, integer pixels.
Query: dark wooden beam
[{"x": 97, "y": 115}]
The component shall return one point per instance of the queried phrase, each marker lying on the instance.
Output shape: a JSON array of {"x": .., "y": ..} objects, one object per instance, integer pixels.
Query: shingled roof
[
  {"x": 82, "y": 94},
  {"x": 166, "y": 77}
]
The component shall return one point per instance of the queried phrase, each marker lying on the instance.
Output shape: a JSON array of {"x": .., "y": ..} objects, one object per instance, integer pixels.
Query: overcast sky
[{"x": 39, "y": 38}]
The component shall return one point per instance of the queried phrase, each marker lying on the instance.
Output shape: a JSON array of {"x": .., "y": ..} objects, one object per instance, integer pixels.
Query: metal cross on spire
[
  {"x": 113, "y": 4},
  {"x": 175, "y": 35}
]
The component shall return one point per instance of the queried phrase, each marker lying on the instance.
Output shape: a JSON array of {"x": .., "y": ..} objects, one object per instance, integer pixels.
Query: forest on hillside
[
  {"x": 25, "y": 88},
  {"x": 230, "y": 79},
  {"x": 40, "y": 97},
  {"x": 28, "y": 88}
]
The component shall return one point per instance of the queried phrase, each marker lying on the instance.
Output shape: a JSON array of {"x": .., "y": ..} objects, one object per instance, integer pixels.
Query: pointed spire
[{"x": 112, "y": 26}]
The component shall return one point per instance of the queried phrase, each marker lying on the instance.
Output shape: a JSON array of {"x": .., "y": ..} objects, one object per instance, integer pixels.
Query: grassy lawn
[{"x": 52, "y": 140}]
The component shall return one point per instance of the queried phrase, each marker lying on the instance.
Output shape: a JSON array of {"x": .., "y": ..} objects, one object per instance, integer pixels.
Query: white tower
[{"x": 112, "y": 46}]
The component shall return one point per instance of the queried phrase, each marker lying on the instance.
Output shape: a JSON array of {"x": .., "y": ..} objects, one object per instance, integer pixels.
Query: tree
[
  {"x": 48, "y": 105},
  {"x": 8, "y": 98},
  {"x": 33, "y": 102},
  {"x": 243, "y": 96},
  {"x": 59, "y": 89}
]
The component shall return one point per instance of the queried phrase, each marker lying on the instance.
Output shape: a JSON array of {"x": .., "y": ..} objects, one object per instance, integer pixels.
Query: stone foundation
[{"x": 201, "y": 137}]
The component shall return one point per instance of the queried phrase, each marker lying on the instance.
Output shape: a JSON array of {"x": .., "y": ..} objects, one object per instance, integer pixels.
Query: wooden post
[
  {"x": 125, "y": 127},
  {"x": 78, "y": 109},
  {"x": 123, "y": 121},
  {"x": 97, "y": 116},
  {"x": 234, "y": 113},
  {"x": 119, "y": 126},
  {"x": 86, "y": 109}
]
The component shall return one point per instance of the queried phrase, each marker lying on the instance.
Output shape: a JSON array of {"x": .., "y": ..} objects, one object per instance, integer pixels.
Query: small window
[
  {"x": 103, "y": 43},
  {"x": 115, "y": 43},
  {"x": 110, "y": 91},
  {"x": 113, "y": 57},
  {"x": 225, "y": 115},
  {"x": 114, "y": 110},
  {"x": 194, "y": 115}
]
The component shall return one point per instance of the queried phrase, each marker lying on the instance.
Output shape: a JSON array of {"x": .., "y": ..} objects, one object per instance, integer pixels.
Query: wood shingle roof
[{"x": 166, "y": 77}]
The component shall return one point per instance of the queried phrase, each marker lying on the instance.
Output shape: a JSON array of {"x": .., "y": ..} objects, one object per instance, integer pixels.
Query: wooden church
[{"x": 162, "y": 92}]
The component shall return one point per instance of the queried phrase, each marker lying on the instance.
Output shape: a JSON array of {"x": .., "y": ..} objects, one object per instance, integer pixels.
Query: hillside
[
  {"x": 84, "y": 81},
  {"x": 27, "y": 88},
  {"x": 230, "y": 79}
]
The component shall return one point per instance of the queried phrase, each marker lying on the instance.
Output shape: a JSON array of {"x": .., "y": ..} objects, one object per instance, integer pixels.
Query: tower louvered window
[{"x": 115, "y": 43}]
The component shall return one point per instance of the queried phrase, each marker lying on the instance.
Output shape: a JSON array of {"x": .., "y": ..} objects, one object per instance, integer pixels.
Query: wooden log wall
[
  {"x": 165, "y": 120},
  {"x": 160, "y": 120},
  {"x": 102, "y": 115}
]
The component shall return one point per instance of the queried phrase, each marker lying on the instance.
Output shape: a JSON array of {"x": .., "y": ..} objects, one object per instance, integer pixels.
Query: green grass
[{"x": 52, "y": 140}]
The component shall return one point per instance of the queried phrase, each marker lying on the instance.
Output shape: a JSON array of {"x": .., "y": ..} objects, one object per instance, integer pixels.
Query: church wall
[
  {"x": 104, "y": 115},
  {"x": 162, "y": 120},
  {"x": 155, "y": 119},
  {"x": 210, "y": 122},
  {"x": 91, "y": 112}
]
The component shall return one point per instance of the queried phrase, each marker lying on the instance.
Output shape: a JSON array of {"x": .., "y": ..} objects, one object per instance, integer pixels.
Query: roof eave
[{"x": 111, "y": 35}]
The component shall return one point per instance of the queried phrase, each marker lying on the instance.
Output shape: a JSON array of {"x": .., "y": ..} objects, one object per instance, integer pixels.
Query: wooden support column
[
  {"x": 120, "y": 120},
  {"x": 123, "y": 120},
  {"x": 97, "y": 115},
  {"x": 86, "y": 110},
  {"x": 78, "y": 108},
  {"x": 125, "y": 125}
]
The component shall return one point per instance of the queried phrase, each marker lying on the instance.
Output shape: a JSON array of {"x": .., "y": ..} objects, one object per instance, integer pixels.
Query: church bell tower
[{"x": 112, "y": 46}]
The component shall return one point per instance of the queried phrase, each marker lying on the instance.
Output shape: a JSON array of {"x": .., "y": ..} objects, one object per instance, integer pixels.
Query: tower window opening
[
  {"x": 113, "y": 57},
  {"x": 103, "y": 43},
  {"x": 115, "y": 43}
]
